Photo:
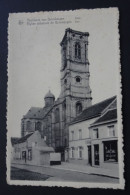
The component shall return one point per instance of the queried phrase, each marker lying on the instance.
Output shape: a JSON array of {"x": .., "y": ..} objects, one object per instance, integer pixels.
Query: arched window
[
  {"x": 78, "y": 108},
  {"x": 38, "y": 126},
  {"x": 28, "y": 126},
  {"x": 22, "y": 126},
  {"x": 77, "y": 50},
  {"x": 57, "y": 115},
  {"x": 65, "y": 81},
  {"x": 64, "y": 111}
]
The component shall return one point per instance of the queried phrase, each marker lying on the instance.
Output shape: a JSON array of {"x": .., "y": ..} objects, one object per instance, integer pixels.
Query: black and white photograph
[{"x": 64, "y": 117}]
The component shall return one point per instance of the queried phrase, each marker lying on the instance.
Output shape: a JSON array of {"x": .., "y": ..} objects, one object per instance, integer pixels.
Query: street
[
  {"x": 22, "y": 174},
  {"x": 51, "y": 174}
]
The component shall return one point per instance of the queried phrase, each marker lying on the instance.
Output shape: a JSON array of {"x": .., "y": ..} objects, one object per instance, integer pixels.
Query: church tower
[{"x": 75, "y": 89}]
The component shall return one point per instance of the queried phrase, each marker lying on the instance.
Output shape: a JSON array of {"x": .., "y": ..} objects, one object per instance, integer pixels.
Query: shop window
[
  {"x": 80, "y": 134},
  {"x": 110, "y": 151},
  {"x": 111, "y": 130},
  {"x": 80, "y": 152},
  {"x": 77, "y": 50},
  {"x": 95, "y": 133},
  {"x": 30, "y": 154},
  {"x": 78, "y": 108}
]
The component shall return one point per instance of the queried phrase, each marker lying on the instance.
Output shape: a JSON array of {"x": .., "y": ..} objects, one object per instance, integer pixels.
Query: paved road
[
  {"x": 22, "y": 174},
  {"x": 64, "y": 175}
]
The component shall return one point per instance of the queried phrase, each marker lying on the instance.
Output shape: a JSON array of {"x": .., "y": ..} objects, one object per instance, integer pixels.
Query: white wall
[{"x": 76, "y": 142}]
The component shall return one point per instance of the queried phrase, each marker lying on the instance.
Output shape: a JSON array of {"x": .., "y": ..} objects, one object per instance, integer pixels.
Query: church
[{"x": 53, "y": 120}]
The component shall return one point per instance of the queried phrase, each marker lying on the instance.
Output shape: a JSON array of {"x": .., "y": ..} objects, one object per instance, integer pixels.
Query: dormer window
[{"x": 77, "y": 50}]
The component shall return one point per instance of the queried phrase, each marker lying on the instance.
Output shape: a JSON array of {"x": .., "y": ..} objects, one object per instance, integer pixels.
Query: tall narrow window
[
  {"x": 38, "y": 126},
  {"x": 30, "y": 154},
  {"x": 80, "y": 134},
  {"x": 72, "y": 152},
  {"x": 85, "y": 51},
  {"x": 111, "y": 131},
  {"x": 80, "y": 152},
  {"x": 64, "y": 111},
  {"x": 77, "y": 50},
  {"x": 72, "y": 135},
  {"x": 57, "y": 115},
  {"x": 78, "y": 108},
  {"x": 28, "y": 126},
  {"x": 95, "y": 133}
]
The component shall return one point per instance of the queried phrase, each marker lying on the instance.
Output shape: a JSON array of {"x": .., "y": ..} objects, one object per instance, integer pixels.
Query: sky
[{"x": 34, "y": 58}]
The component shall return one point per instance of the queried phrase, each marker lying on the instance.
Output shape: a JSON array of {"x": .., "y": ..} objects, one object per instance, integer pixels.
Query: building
[
  {"x": 104, "y": 140},
  {"x": 84, "y": 135},
  {"x": 31, "y": 149},
  {"x": 52, "y": 120}
]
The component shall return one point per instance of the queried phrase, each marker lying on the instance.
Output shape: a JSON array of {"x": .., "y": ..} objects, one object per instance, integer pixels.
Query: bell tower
[{"x": 75, "y": 89}]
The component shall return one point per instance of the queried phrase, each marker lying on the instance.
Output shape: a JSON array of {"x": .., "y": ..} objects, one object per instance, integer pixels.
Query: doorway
[
  {"x": 96, "y": 154},
  {"x": 89, "y": 155}
]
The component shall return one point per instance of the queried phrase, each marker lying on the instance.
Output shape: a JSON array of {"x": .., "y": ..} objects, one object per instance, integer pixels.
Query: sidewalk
[{"x": 86, "y": 169}]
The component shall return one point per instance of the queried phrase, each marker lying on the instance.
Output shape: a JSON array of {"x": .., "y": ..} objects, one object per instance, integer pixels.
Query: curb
[
  {"x": 67, "y": 169},
  {"x": 89, "y": 173}
]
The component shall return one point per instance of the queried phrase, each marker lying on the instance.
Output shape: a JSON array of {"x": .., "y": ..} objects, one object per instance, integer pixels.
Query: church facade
[{"x": 53, "y": 119}]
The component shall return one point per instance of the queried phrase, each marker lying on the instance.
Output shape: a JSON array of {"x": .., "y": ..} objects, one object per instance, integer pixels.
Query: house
[
  {"x": 80, "y": 134},
  {"x": 104, "y": 140},
  {"x": 32, "y": 149}
]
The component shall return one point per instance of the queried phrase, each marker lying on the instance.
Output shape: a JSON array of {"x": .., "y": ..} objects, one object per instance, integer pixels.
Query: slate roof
[
  {"x": 109, "y": 115},
  {"x": 14, "y": 140},
  {"x": 94, "y": 110},
  {"x": 36, "y": 112},
  {"x": 23, "y": 139}
]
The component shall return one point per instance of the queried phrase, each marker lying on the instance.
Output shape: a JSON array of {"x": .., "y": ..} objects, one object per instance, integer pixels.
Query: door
[
  {"x": 96, "y": 154},
  {"x": 89, "y": 155}
]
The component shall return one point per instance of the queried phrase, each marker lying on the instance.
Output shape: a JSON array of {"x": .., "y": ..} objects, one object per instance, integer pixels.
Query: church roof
[
  {"x": 49, "y": 95},
  {"x": 14, "y": 140},
  {"x": 93, "y": 111},
  {"x": 108, "y": 116},
  {"x": 36, "y": 112}
]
